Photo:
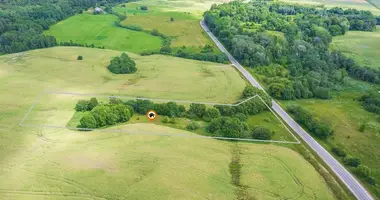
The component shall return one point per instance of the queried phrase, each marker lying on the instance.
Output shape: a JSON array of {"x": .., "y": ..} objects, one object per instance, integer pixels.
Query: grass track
[{"x": 101, "y": 31}]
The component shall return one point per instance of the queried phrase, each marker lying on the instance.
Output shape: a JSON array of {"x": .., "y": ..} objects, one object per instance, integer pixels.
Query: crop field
[
  {"x": 100, "y": 30},
  {"x": 65, "y": 164},
  {"x": 346, "y": 115},
  {"x": 357, "y": 4},
  {"x": 362, "y": 46},
  {"x": 184, "y": 28}
]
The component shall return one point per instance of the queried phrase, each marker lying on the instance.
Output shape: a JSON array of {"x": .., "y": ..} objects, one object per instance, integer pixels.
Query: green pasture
[
  {"x": 362, "y": 46},
  {"x": 101, "y": 30},
  {"x": 48, "y": 163},
  {"x": 184, "y": 29}
]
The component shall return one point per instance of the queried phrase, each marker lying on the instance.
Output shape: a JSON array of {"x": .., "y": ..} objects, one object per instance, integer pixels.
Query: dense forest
[
  {"x": 289, "y": 44},
  {"x": 22, "y": 22}
]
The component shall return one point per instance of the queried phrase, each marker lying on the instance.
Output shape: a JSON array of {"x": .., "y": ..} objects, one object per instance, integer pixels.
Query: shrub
[
  {"x": 192, "y": 126},
  {"x": 352, "y": 161},
  {"x": 338, "y": 151},
  {"x": 171, "y": 19},
  {"x": 261, "y": 133},
  {"x": 80, "y": 58},
  {"x": 143, "y": 7},
  {"x": 165, "y": 119},
  {"x": 122, "y": 65},
  {"x": 172, "y": 120},
  {"x": 362, "y": 127},
  {"x": 241, "y": 116},
  {"x": 371, "y": 180}
]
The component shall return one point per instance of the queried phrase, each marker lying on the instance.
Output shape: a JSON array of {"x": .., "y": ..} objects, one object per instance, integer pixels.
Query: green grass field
[
  {"x": 100, "y": 30},
  {"x": 62, "y": 164},
  {"x": 357, "y": 4},
  {"x": 362, "y": 46},
  {"x": 185, "y": 28},
  {"x": 346, "y": 115}
]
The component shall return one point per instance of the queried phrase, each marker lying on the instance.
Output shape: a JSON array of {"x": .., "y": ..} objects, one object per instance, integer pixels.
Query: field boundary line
[{"x": 151, "y": 133}]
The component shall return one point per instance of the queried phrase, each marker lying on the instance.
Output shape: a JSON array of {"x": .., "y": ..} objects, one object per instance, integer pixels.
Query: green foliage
[
  {"x": 143, "y": 7},
  {"x": 242, "y": 117},
  {"x": 122, "y": 65},
  {"x": 320, "y": 129},
  {"x": 228, "y": 127},
  {"x": 261, "y": 133},
  {"x": 192, "y": 126},
  {"x": 352, "y": 161},
  {"x": 362, "y": 127},
  {"x": 80, "y": 58},
  {"x": 88, "y": 121},
  {"x": 371, "y": 102},
  {"x": 210, "y": 114},
  {"x": 165, "y": 120},
  {"x": 338, "y": 151},
  {"x": 197, "y": 109},
  {"x": 84, "y": 105},
  {"x": 171, "y": 19}
]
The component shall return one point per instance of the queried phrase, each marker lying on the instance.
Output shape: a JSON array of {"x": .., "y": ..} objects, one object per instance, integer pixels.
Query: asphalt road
[{"x": 348, "y": 179}]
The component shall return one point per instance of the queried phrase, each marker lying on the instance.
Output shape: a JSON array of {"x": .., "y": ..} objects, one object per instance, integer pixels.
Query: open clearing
[
  {"x": 185, "y": 28},
  {"x": 362, "y": 46},
  {"x": 158, "y": 76},
  {"x": 119, "y": 166},
  {"x": 357, "y": 4},
  {"x": 100, "y": 30},
  {"x": 59, "y": 163}
]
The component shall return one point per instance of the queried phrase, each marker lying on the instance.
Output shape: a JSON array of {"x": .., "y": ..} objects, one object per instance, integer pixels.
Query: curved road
[{"x": 347, "y": 178}]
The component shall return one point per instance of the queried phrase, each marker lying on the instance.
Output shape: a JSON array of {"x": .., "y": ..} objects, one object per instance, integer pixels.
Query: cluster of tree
[
  {"x": 293, "y": 38},
  {"x": 122, "y": 65},
  {"x": 170, "y": 109},
  {"x": 22, "y": 22},
  {"x": 371, "y": 102},
  {"x": 102, "y": 114},
  {"x": 361, "y": 170},
  {"x": 84, "y": 105},
  {"x": 319, "y": 128}
]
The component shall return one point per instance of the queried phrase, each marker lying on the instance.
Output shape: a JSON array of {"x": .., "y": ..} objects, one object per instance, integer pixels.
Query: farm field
[
  {"x": 100, "y": 30},
  {"x": 346, "y": 115},
  {"x": 357, "y": 4},
  {"x": 362, "y": 46},
  {"x": 60, "y": 163},
  {"x": 158, "y": 76},
  {"x": 184, "y": 29}
]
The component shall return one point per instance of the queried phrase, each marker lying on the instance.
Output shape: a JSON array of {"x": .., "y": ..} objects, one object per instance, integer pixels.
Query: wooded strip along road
[{"x": 347, "y": 178}]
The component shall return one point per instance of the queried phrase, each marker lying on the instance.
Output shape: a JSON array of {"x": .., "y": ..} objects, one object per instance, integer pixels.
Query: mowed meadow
[
  {"x": 61, "y": 163},
  {"x": 101, "y": 30}
]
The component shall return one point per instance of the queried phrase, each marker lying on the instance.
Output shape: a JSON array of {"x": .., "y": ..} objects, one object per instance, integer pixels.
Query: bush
[
  {"x": 241, "y": 116},
  {"x": 362, "y": 127},
  {"x": 192, "y": 126},
  {"x": 122, "y": 65},
  {"x": 165, "y": 120},
  {"x": 371, "y": 180},
  {"x": 80, "y": 58},
  {"x": 338, "y": 151},
  {"x": 88, "y": 121},
  {"x": 352, "y": 161},
  {"x": 143, "y": 7},
  {"x": 84, "y": 105},
  {"x": 210, "y": 114},
  {"x": 228, "y": 127},
  {"x": 197, "y": 109},
  {"x": 261, "y": 133},
  {"x": 171, "y": 19}
]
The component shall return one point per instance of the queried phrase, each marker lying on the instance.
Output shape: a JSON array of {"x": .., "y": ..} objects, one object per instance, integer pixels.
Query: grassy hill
[
  {"x": 59, "y": 163},
  {"x": 100, "y": 30}
]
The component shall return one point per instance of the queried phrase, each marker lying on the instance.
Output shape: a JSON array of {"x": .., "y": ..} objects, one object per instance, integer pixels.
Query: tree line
[
  {"x": 294, "y": 40},
  {"x": 22, "y": 22},
  {"x": 223, "y": 121}
]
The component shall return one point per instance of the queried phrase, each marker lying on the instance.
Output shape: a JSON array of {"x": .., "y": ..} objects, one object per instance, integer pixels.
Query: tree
[
  {"x": 192, "y": 126},
  {"x": 122, "y": 65},
  {"x": 338, "y": 151},
  {"x": 80, "y": 58},
  {"x": 228, "y": 127},
  {"x": 88, "y": 121},
  {"x": 143, "y": 7},
  {"x": 100, "y": 114},
  {"x": 352, "y": 161},
  {"x": 197, "y": 109},
  {"x": 171, "y": 19},
  {"x": 82, "y": 106},
  {"x": 210, "y": 114},
  {"x": 92, "y": 103},
  {"x": 261, "y": 133}
]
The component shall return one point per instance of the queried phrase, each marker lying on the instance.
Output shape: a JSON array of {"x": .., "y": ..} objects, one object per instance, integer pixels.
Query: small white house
[{"x": 98, "y": 10}]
